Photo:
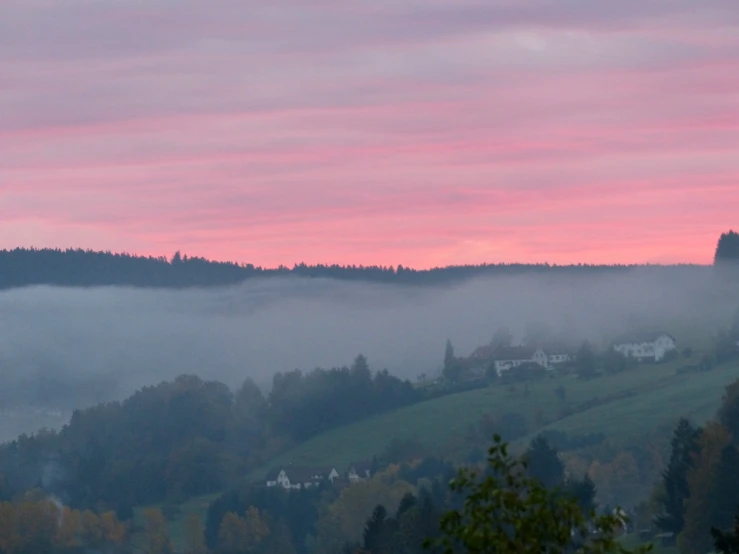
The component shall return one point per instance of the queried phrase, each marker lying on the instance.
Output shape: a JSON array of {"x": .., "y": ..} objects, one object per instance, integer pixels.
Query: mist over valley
[{"x": 63, "y": 348}]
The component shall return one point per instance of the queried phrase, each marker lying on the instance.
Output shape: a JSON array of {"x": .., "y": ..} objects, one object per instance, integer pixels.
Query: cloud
[{"x": 249, "y": 129}]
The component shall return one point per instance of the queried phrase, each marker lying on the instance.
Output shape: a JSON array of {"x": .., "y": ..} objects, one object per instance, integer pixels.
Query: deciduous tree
[
  {"x": 157, "y": 534},
  {"x": 508, "y": 511}
]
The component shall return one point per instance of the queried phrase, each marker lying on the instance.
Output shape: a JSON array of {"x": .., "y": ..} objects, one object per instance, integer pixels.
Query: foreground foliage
[{"x": 508, "y": 511}]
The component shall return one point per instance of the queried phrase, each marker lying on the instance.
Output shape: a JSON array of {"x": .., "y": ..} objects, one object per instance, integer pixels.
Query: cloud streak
[{"x": 421, "y": 133}]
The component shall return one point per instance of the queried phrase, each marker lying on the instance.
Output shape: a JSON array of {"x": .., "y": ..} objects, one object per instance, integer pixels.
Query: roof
[
  {"x": 641, "y": 337},
  {"x": 483, "y": 353},
  {"x": 515, "y": 353}
]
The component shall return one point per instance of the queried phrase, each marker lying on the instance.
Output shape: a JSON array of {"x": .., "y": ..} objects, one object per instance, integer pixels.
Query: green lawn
[{"x": 657, "y": 403}]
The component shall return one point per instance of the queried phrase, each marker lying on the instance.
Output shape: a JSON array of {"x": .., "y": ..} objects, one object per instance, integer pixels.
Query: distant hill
[{"x": 85, "y": 268}]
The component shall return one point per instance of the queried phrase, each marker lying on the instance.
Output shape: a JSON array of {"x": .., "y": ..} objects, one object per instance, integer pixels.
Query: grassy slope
[{"x": 659, "y": 397}]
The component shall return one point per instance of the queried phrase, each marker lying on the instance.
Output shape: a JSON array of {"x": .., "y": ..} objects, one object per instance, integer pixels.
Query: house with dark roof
[
  {"x": 504, "y": 358},
  {"x": 558, "y": 352},
  {"x": 558, "y": 357},
  {"x": 649, "y": 346},
  {"x": 510, "y": 357},
  {"x": 295, "y": 477}
]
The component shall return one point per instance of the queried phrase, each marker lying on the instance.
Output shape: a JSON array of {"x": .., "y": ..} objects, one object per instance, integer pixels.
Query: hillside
[{"x": 647, "y": 399}]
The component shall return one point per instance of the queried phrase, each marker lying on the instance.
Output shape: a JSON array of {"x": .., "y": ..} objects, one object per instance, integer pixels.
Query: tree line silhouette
[{"x": 86, "y": 268}]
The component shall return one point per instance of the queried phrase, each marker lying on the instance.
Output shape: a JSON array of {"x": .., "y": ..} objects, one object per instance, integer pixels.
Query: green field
[{"x": 657, "y": 398}]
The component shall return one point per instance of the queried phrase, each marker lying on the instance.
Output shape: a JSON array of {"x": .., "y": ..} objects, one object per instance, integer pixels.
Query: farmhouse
[
  {"x": 291, "y": 477},
  {"x": 646, "y": 346},
  {"x": 558, "y": 356},
  {"x": 479, "y": 361},
  {"x": 359, "y": 471},
  {"x": 507, "y": 357},
  {"x": 513, "y": 356}
]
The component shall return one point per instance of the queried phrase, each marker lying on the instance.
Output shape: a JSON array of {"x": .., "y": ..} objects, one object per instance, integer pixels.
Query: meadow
[{"x": 647, "y": 398}]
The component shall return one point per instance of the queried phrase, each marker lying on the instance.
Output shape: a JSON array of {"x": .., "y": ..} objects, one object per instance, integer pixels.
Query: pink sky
[{"x": 414, "y": 132}]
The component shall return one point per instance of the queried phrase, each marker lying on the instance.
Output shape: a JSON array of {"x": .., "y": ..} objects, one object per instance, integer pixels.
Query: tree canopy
[
  {"x": 508, "y": 511},
  {"x": 727, "y": 249}
]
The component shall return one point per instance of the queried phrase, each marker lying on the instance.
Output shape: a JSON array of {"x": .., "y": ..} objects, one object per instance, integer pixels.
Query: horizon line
[{"x": 394, "y": 268}]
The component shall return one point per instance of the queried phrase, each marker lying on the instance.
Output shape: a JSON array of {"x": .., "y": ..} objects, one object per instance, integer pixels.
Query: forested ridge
[
  {"x": 86, "y": 268},
  {"x": 190, "y": 436}
]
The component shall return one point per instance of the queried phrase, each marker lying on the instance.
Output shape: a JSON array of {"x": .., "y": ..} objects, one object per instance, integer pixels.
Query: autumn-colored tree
[
  {"x": 256, "y": 528},
  {"x": 157, "y": 535},
  {"x": 508, "y": 511},
  {"x": 114, "y": 532},
  {"x": 345, "y": 518},
  {"x": 36, "y": 524},
  {"x": 68, "y": 531},
  {"x": 619, "y": 478},
  {"x": 232, "y": 535},
  {"x": 194, "y": 536},
  {"x": 91, "y": 530},
  {"x": 9, "y": 538},
  {"x": 242, "y": 534}
]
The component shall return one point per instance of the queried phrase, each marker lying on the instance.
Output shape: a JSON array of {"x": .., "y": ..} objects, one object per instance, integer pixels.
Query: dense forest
[
  {"x": 390, "y": 514},
  {"x": 85, "y": 268},
  {"x": 506, "y": 504},
  {"x": 187, "y": 437},
  {"x": 700, "y": 487}
]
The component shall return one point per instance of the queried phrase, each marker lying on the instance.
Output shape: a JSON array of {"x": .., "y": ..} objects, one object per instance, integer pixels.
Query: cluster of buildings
[
  {"x": 291, "y": 477},
  {"x": 641, "y": 346},
  {"x": 646, "y": 346}
]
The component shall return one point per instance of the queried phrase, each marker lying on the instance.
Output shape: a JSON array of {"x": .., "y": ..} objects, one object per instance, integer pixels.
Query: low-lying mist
[{"x": 64, "y": 348}]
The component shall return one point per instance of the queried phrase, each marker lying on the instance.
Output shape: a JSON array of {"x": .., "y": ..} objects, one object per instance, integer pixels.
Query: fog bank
[{"x": 65, "y": 348}]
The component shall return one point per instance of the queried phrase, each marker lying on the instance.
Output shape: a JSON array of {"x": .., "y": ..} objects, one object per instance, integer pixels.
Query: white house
[
  {"x": 513, "y": 356},
  {"x": 291, "y": 477},
  {"x": 359, "y": 471},
  {"x": 509, "y": 357},
  {"x": 558, "y": 358},
  {"x": 646, "y": 346}
]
